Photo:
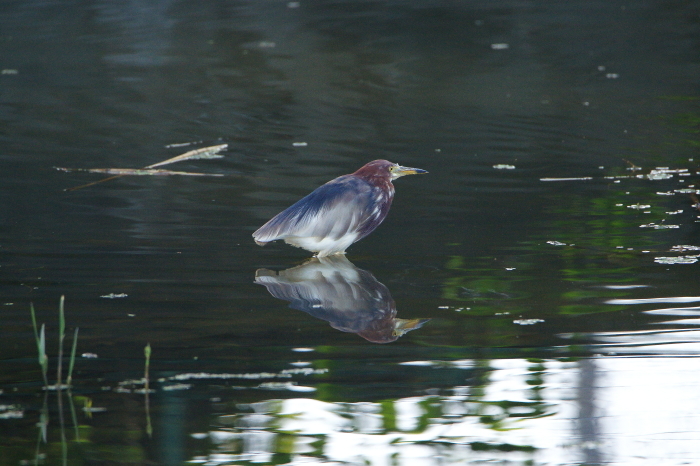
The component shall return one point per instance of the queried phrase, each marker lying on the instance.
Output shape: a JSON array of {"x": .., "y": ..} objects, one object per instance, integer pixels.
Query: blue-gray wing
[{"x": 345, "y": 205}]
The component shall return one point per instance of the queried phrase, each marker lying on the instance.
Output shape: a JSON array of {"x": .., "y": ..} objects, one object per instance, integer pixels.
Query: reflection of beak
[
  {"x": 402, "y": 171},
  {"x": 402, "y": 326}
]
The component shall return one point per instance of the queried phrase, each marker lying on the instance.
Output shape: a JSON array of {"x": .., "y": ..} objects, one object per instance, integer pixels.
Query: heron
[{"x": 338, "y": 213}]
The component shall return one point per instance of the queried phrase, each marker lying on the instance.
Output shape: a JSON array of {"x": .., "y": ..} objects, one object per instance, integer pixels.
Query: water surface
[{"x": 542, "y": 276}]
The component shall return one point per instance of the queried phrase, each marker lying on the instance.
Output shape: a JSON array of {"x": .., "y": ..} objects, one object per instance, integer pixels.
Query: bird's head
[{"x": 387, "y": 170}]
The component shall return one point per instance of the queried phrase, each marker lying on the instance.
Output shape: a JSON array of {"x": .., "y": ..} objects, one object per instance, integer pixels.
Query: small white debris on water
[
  {"x": 94, "y": 409},
  {"x": 89, "y": 355},
  {"x": 177, "y": 386},
  {"x": 7, "y": 71},
  {"x": 583, "y": 178},
  {"x": 182, "y": 144},
  {"x": 527, "y": 321},
  {"x": 684, "y": 248},
  {"x": 510, "y": 268},
  {"x": 667, "y": 193},
  {"x": 300, "y": 144},
  {"x": 416, "y": 363},
  {"x": 624, "y": 287},
  {"x": 612, "y": 75},
  {"x": 656, "y": 226},
  {"x": 500, "y": 46},
  {"x": 114, "y": 295},
  {"x": 638, "y": 206},
  {"x": 458, "y": 364},
  {"x": 556, "y": 243},
  {"x": 291, "y": 386},
  {"x": 677, "y": 260},
  {"x": 284, "y": 374},
  {"x": 456, "y": 309},
  {"x": 664, "y": 173},
  {"x": 503, "y": 166},
  {"x": 675, "y": 212},
  {"x": 303, "y": 350},
  {"x": 11, "y": 412}
]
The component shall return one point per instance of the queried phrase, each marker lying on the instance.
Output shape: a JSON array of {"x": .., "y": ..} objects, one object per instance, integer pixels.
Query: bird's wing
[{"x": 343, "y": 205}]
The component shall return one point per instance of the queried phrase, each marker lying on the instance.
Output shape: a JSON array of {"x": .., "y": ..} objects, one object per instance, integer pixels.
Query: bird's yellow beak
[
  {"x": 399, "y": 171},
  {"x": 402, "y": 326}
]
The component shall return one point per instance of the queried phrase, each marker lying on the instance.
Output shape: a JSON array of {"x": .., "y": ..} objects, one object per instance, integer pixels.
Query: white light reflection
[
  {"x": 673, "y": 342},
  {"x": 600, "y": 410},
  {"x": 675, "y": 311},
  {"x": 670, "y": 299}
]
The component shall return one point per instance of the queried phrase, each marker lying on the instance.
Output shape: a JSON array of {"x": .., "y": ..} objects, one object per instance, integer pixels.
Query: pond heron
[{"x": 339, "y": 213}]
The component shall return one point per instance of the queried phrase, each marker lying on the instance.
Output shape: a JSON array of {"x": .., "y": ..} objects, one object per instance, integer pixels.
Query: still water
[{"x": 532, "y": 300}]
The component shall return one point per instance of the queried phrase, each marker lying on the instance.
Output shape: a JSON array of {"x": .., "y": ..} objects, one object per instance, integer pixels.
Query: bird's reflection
[{"x": 350, "y": 299}]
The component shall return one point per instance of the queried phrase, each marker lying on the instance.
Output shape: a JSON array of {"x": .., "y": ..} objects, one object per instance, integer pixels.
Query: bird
[{"x": 338, "y": 213}]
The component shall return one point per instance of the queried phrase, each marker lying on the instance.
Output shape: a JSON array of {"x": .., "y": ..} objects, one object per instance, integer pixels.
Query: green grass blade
[
  {"x": 43, "y": 359},
  {"x": 71, "y": 362},
  {"x": 40, "y": 345},
  {"x": 147, "y": 353},
  {"x": 36, "y": 331},
  {"x": 74, "y": 417},
  {"x": 61, "y": 337},
  {"x": 61, "y": 318}
]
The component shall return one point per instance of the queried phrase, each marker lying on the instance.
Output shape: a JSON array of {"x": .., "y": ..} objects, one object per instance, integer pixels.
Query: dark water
[{"x": 555, "y": 259}]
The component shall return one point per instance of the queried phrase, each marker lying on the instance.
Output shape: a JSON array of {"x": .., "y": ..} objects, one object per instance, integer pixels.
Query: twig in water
[{"x": 211, "y": 152}]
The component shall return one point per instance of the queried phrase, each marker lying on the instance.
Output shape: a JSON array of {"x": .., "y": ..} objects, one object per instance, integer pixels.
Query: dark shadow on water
[{"x": 349, "y": 298}]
